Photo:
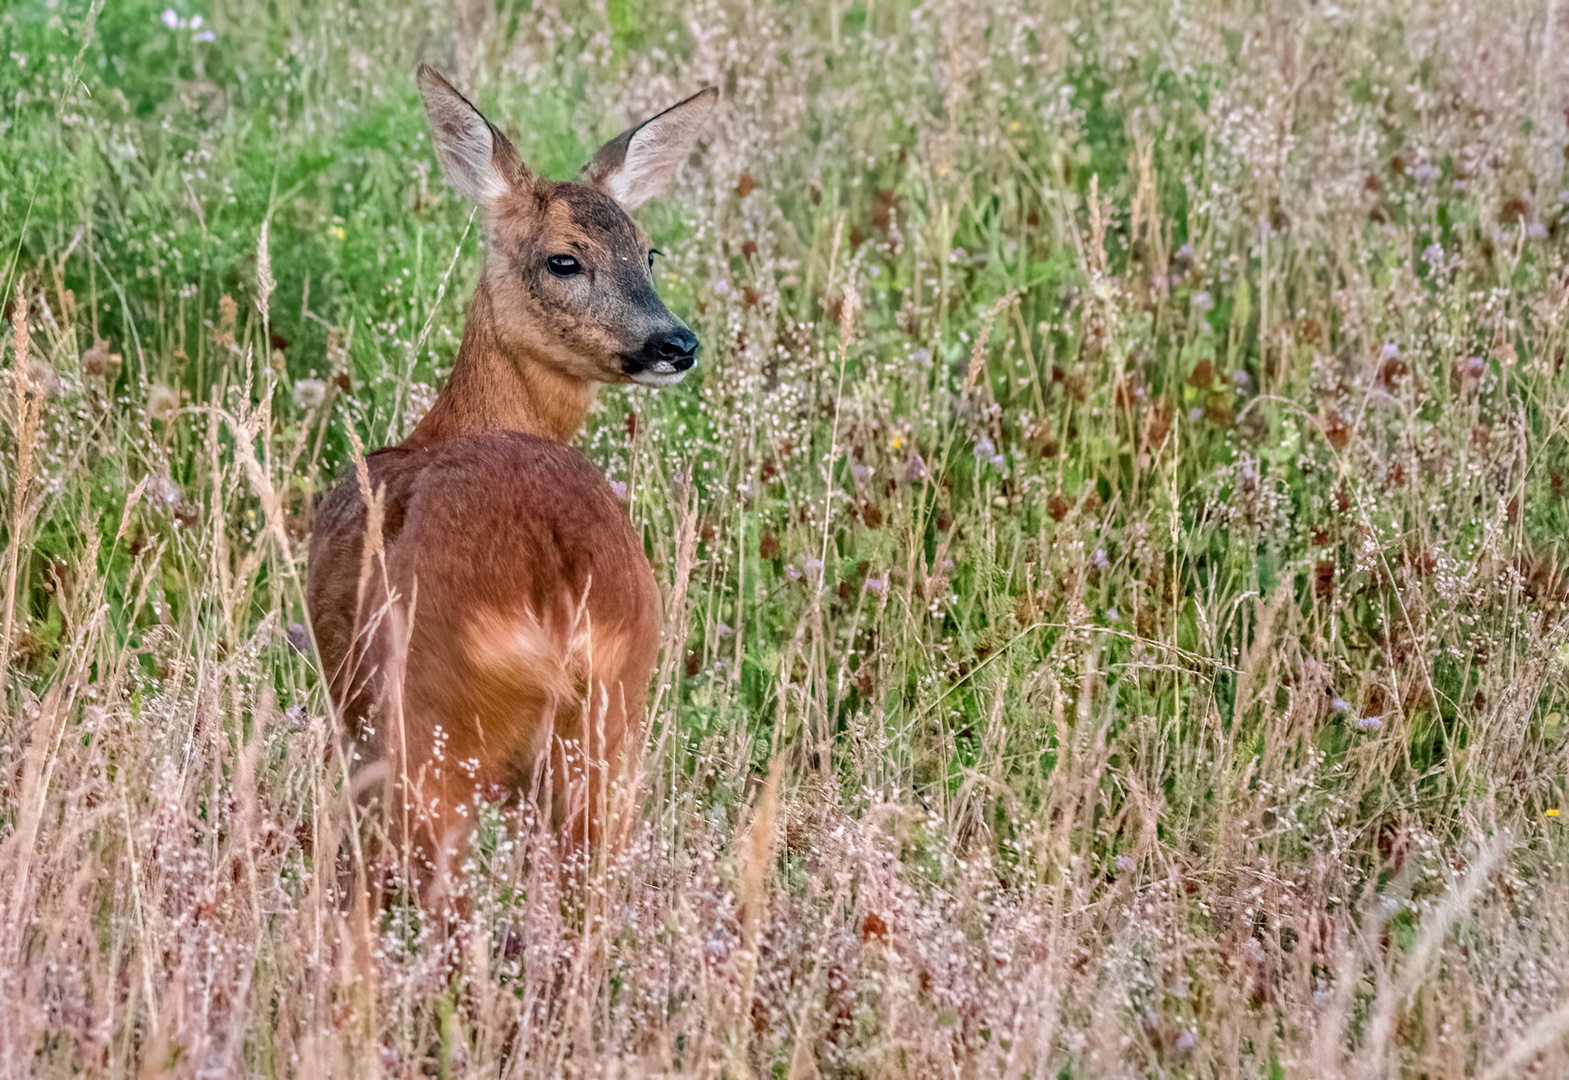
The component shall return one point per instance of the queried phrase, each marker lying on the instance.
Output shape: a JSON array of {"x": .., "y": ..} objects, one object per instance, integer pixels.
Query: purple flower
[
  {"x": 916, "y": 470},
  {"x": 1536, "y": 231},
  {"x": 1390, "y": 351},
  {"x": 170, "y": 18}
]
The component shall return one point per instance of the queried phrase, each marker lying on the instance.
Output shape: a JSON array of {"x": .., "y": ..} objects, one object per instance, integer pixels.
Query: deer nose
[{"x": 678, "y": 348}]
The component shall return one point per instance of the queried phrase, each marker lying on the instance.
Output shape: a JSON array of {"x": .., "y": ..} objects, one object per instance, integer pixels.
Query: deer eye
[{"x": 564, "y": 265}]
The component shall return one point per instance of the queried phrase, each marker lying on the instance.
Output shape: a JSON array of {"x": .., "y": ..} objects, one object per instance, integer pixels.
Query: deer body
[{"x": 498, "y": 632}]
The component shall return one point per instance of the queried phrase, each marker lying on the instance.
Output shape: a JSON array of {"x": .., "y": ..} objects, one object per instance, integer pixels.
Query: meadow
[{"x": 1111, "y": 542}]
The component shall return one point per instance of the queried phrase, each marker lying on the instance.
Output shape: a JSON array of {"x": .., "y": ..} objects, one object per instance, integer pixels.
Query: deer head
[{"x": 569, "y": 276}]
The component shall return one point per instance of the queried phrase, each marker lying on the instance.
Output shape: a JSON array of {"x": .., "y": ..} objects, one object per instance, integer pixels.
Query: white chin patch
[{"x": 663, "y": 373}]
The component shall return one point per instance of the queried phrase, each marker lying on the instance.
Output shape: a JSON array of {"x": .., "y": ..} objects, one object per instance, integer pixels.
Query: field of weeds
[{"x": 1111, "y": 541}]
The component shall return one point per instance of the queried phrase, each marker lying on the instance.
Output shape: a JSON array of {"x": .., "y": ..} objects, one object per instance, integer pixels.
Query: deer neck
[{"x": 502, "y": 389}]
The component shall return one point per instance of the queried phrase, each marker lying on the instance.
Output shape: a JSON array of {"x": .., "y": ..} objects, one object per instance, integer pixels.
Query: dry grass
[{"x": 1112, "y": 542}]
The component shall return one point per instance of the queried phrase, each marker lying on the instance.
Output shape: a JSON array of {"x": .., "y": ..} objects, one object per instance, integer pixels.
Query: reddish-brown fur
[{"x": 501, "y": 636}]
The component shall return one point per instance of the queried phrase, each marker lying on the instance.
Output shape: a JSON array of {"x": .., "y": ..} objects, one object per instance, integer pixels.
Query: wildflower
[
  {"x": 171, "y": 18},
  {"x": 45, "y": 379},
  {"x": 1195, "y": 414},
  {"x": 984, "y": 448},
  {"x": 1475, "y": 367},
  {"x": 1186, "y": 1041},
  {"x": 922, "y": 357},
  {"x": 309, "y": 394},
  {"x": 1424, "y": 173},
  {"x": 1125, "y": 864},
  {"x": 793, "y": 572},
  {"x": 1433, "y": 255},
  {"x": 1098, "y": 559},
  {"x": 1369, "y": 723},
  {"x": 1111, "y": 614},
  {"x": 997, "y": 461},
  {"x": 1185, "y": 253},
  {"x": 97, "y": 360},
  {"x": 876, "y": 585},
  {"x": 1536, "y": 231},
  {"x": 1203, "y": 301},
  {"x": 916, "y": 470},
  {"x": 1391, "y": 351},
  {"x": 1242, "y": 381},
  {"x": 1340, "y": 705},
  {"x": 861, "y": 473},
  {"x": 204, "y": 35},
  {"x": 724, "y": 629},
  {"x": 618, "y": 488},
  {"x": 161, "y": 403}
]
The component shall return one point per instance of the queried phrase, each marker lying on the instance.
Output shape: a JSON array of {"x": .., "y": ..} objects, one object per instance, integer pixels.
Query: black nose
[{"x": 679, "y": 347}]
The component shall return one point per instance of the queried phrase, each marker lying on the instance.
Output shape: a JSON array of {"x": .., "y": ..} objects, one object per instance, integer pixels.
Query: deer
[{"x": 482, "y": 606}]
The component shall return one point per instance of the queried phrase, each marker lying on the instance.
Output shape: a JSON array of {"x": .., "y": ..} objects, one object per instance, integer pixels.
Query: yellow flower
[
  {"x": 1552, "y": 813},
  {"x": 896, "y": 442},
  {"x": 338, "y": 232}
]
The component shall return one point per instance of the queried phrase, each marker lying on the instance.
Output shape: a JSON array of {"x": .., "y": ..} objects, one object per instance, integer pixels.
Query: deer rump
[{"x": 504, "y": 645}]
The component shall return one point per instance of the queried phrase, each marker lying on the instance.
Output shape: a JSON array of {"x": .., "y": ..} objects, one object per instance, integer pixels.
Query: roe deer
[{"x": 503, "y": 626}]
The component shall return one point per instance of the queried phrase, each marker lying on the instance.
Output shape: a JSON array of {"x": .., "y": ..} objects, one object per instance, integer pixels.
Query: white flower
[
  {"x": 309, "y": 394},
  {"x": 170, "y": 18},
  {"x": 161, "y": 403}
]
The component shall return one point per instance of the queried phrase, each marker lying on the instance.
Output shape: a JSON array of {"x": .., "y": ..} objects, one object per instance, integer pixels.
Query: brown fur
[{"x": 505, "y": 639}]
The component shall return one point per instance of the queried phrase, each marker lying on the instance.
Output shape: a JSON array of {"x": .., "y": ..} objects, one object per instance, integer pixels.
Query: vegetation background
[{"x": 1111, "y": 540}]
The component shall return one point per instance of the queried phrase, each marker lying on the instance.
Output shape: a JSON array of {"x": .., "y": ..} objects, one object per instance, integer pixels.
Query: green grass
[{"x": 1120, "y": 502}]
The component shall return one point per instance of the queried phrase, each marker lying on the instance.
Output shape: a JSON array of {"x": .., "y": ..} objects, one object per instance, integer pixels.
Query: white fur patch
[{"x": 655, "y": 377}]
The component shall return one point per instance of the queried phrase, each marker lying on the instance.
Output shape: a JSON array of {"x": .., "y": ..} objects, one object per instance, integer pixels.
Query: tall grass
[{"x": 1112, "y": 541}]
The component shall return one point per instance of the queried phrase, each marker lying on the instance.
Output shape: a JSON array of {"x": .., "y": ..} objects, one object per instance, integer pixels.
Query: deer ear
[
  {"x": 638, "y": 164},
  {"x": 477, "y": 159}
]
